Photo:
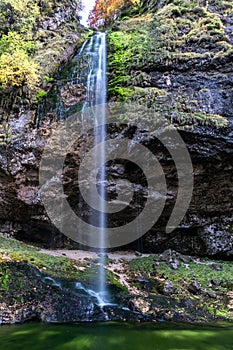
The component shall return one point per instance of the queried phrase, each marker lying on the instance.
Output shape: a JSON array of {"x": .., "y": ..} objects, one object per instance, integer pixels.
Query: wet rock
[
  {"x": 32, "y": 296},
  {"x": 190, "y": 86},
  {"x": 23, "y": 212},
  {"x": 73, "y": 94}
]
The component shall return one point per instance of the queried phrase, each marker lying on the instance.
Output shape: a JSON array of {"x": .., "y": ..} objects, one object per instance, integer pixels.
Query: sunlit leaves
[
  {"x": 18, "y": 15},
  {"x": 17, "y": 20},
  {"x": 13, "y": 41},
  {"x": 105, "y": 12},
  {"x": 17, "y": 69}
]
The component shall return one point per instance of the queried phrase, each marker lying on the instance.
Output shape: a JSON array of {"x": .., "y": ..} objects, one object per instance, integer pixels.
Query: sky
[{"x": 88, "y": 5}]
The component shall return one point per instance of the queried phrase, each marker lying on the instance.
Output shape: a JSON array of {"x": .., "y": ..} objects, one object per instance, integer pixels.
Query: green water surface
[{"x": 117, "y": 336}]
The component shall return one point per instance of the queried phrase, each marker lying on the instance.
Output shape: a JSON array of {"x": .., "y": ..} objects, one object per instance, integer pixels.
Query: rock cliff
[{"x": 174, "y": 57}]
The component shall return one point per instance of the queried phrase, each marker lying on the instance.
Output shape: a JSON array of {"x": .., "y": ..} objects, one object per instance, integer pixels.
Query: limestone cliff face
[
  {"x": 176, "y": 58},
  {"x": 57, "y": 37}
]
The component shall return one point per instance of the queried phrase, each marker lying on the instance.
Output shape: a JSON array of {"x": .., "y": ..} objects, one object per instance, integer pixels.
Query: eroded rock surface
[{"x": 191, "y": 85}]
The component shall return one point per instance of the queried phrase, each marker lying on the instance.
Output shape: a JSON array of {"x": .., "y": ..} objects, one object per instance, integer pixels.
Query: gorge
[{"x": 170, "y": 61}]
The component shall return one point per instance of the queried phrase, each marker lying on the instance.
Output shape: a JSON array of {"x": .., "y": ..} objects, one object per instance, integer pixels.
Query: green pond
[{"x": 117, "y": 336}]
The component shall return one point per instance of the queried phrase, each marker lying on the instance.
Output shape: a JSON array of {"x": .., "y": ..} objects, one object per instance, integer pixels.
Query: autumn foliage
[{"x": 105, "y": 11}]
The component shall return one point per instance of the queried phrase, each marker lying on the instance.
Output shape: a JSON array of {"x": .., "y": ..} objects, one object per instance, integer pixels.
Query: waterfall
[
  {"x": 81, "y": 88},
  {"x": 96, "y": 85}
]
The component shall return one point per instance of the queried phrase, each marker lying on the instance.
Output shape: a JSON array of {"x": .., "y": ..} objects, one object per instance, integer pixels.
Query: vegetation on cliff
[
  {"x": 165, "y": 37},
  {"x": 35, "y": 37}
]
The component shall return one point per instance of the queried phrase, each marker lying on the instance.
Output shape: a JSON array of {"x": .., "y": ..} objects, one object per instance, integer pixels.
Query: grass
[
  {"x": 202, "y": 272},
  {"x": 86, "y": 271},
  {"x": 59, "y": 267},
  {"x": 152, "y": 268}
]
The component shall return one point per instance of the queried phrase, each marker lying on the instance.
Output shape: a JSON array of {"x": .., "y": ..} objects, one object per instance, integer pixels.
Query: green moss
[
  {"x": 149, "y": 97},
  {"x": 113, "y": 281},
  {"x": 143, "y": 265},
  {"x": 201, "y": 271},
  {"x": 4, "y": 281},
  {"x": 126, "y": 48},
  {"x": 178, "y": 31},
  {"x": 181, "y": 25},
  {"x": 150, "y": 268},
  {"x": 55, "y": 266},
  {"x": 177, "y": 34},
  {"x": 182, "y": 119},
  {"x": 86, "y": 271},
  {"x": 122, "y": 93},
  {"x": 48, "y": 79}
]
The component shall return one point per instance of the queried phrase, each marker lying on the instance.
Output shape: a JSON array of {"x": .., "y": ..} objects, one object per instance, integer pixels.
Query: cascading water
[
  {"x": 81, "y": 87},
  {"x": 96, "y": 96}
]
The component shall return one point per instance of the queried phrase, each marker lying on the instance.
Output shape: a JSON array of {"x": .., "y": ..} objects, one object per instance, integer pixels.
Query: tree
[{"x": 106, "y": 11}]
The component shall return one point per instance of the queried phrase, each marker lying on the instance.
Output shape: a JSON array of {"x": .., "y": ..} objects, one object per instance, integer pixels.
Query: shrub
[{"x": 17, "y": 69}]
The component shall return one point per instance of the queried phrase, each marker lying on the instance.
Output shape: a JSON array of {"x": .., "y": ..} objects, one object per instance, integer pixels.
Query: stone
[
  {"x": 166, "y": 255},
  {"x": 139, "y": 304},
  {"x": 138, "y": 253},
  {"x": 212, "y": 295},
  {"x": 215, "y": 282},
  {"x": 185, "y": 258},
  {"x": 174, "y": 264},
  {"x": 194, "y": 288},
  {"x": 168, "y": 288},
  {"x": 216, "y": 267}
]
